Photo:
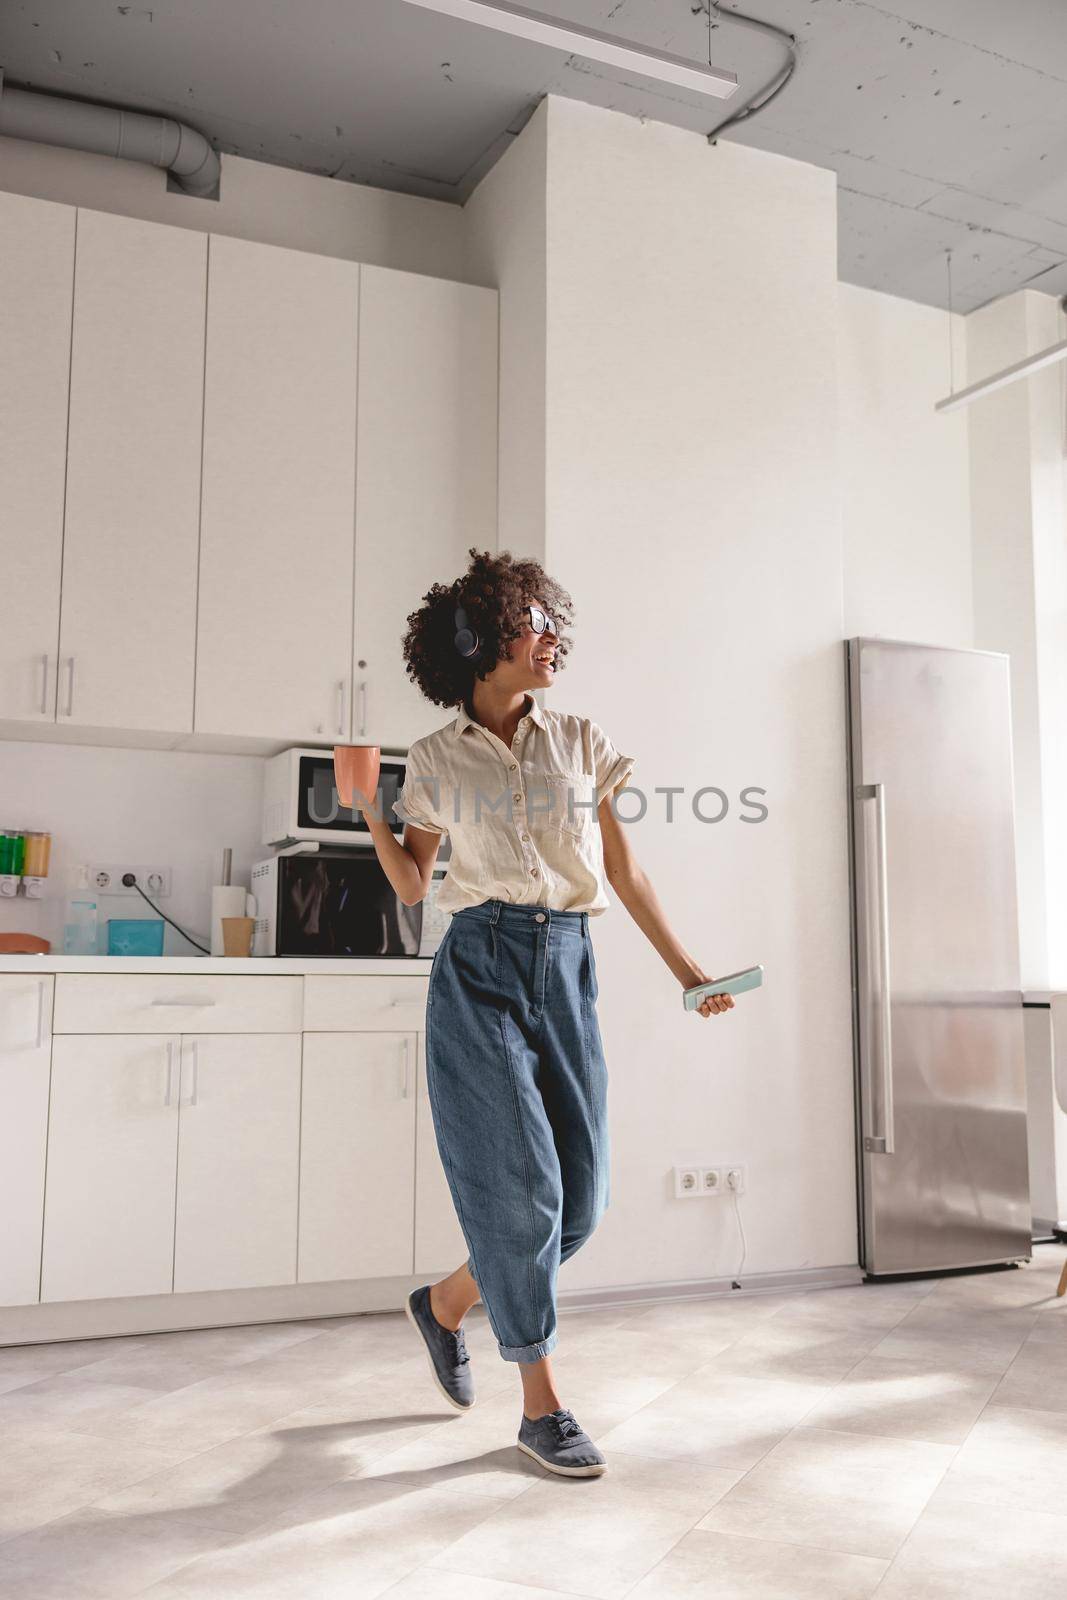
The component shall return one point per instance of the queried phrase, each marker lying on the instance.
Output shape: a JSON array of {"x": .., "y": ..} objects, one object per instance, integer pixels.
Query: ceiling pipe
[{"x": 107, "y": 131}]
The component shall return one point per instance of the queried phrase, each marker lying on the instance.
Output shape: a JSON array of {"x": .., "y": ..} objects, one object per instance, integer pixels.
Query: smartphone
[{"x": 733, "y": 983}]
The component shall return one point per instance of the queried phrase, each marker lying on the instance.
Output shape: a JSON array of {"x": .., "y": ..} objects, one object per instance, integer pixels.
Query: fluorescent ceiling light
[
  {"x": 1000, "y": 380},
  {"x": 604, "y": 47}
]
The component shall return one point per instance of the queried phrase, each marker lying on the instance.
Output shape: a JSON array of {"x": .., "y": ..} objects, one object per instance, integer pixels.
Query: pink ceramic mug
[{"x": 356, "y": 766}]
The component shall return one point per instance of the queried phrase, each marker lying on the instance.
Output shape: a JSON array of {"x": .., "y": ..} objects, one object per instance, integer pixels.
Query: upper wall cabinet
[
  {"x": 229, "y": 473},
  {"x": 128, "y": 618},
  {"x": 36, "y": 289},
  {"x": 426, "y": 477},
  {"x": 274, "y": 639}
]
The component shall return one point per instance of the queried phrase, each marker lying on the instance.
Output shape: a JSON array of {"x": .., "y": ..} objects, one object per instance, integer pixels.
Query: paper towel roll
[{"x": 228, "y": 900}]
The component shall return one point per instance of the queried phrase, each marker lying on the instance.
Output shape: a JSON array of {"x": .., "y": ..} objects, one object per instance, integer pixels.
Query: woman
[{"x": 514, "y": 1060}]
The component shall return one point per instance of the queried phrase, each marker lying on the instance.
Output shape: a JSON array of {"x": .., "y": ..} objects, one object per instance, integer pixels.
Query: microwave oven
[
  {"x": 300, "y": 801},
  {"x": 335, "y": 903}
]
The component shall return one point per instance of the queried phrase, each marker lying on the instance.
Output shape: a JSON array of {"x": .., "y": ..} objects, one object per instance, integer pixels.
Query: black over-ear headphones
[{"x": 467, "y": 641}]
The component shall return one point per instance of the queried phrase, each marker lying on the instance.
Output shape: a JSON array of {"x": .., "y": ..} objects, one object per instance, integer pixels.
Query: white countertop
[
  {"x": 365, "y": 966},
  {"x": 368, "y": 966}
]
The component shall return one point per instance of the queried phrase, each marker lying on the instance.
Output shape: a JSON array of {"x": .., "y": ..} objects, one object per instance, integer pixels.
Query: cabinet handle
[
  {"x": 363, "y": 708},
  {"x": 181, "y": 1002},
  {"x": 193, "y": 1092},
  {"x": 70, "y": 687},
  {"x": 167, "y": 1098},
  {"x": 341, "y": 707},
  {"x": 405, "y": 1093},
  {"x": 44, "y": 685}
]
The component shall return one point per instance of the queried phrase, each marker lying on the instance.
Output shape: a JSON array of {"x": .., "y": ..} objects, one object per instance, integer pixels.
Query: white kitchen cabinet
[
  {"x": 128, "y": 619},
  {"x": 164, "y": 1002},
  {"x": 36, "y": 290},
  {"x": 25, "y": 1059},
  {"x": 172, "y": 1163},
  {"x": 337, "y": 1003},
  {"x": 244, "y": 1155},
  {"x": 112, "y": 1161},
  {"x": 230, "y": 471},
  {"x": 238, "y": 1161},
  {"x": 439, "y": 1242},
  {"x": 274, "y": 639},
  {"x": 357, "y": 1156},
  {"x": 426, "y": 474}
]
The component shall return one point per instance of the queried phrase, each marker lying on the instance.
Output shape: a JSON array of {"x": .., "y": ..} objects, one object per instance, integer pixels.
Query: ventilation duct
[{"x": 106, "y": 131}]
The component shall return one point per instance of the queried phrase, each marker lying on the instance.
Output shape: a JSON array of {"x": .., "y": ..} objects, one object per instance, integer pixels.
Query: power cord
[
  {"x": 741, "y": 1231},
  {"x": 129, "y": 881}
]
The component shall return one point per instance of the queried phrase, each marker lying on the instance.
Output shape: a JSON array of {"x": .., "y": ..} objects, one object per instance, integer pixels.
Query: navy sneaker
[
  {"x": 449, "y": 1361},
  {"x": 557, "y": 1442}
]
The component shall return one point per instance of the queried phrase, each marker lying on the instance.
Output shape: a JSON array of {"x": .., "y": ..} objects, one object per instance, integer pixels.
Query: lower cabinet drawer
[
  {"x": 89, "y": 1002},
  {"x": 344, "y": 1005}
]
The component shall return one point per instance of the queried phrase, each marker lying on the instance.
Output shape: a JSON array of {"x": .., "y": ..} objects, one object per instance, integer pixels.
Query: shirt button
[
  {"x": 516, "y": 797},
  {"x": 533, "y": 872},
  {"x": 526, "y": 836},
  {"x": 540, "y": 917}
]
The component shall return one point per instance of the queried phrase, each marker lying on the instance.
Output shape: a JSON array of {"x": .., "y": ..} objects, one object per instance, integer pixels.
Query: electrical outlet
[
  {"x": 106, "y": 878},
  {"x": 686, "y": 1182},
  {"x": 735, "y": 1179},
  {"x": 711, "y": 1180}
]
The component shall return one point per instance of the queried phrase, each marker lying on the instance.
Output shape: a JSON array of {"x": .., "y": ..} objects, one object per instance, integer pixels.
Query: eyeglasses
[{"x": 541, "y": 622}]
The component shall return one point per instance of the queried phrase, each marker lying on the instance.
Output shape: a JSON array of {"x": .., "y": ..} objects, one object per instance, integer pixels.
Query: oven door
[
  {"x": 319, "y": 813},
  {"x": 342, "y": 905}
]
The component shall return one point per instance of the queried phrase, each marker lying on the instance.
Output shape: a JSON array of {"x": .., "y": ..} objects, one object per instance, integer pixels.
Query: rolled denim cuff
[{"x": 529, "y": 1352}]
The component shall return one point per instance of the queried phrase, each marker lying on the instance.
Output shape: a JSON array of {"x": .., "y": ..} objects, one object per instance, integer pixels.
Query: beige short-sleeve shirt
[{"x": 522, "y": 822}]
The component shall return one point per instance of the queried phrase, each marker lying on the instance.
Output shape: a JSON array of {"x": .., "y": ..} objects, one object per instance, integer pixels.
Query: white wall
[
  {"x": 505, "y": 244},
  {"x": 147, "y": 807},
  {"x": 905, "y": 471},
  {"x": 273, "y": 205},
  {"x": 1020, "y": 565},
  {"x": 692, "y": 511}
]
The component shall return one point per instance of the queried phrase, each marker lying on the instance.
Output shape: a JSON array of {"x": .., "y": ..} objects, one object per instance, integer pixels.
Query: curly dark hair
[{"x": 494, "y": 592}]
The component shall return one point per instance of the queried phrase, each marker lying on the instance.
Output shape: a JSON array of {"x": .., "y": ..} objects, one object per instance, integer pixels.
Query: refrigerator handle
[{"x": 882, "y": 1145}]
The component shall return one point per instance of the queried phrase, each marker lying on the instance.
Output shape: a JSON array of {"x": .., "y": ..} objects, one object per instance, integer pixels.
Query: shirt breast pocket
[{"x": 573, "y": 801}]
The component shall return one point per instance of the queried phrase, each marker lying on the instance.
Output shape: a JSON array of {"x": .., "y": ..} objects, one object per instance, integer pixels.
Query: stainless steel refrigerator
[{"x": 937, "y": 1003}]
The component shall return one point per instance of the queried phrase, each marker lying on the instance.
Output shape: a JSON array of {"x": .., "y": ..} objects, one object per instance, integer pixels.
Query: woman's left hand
[{"x": 712, "y": 1004}]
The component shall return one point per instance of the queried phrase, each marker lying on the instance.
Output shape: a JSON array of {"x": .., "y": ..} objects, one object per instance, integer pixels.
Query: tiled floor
[{"x": 908, "y": 1440}]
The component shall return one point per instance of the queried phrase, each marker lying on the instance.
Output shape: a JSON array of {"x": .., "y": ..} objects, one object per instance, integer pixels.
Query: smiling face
[
  {"x": 531, "y": 660},
  {"x": 542, "y": 648}
]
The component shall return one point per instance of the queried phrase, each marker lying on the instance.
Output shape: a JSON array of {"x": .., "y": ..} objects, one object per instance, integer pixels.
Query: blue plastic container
[{"x": 135, "y": 936}]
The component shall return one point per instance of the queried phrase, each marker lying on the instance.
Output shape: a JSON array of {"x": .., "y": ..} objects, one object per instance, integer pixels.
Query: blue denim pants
[{"x": 517, "y": 1082}]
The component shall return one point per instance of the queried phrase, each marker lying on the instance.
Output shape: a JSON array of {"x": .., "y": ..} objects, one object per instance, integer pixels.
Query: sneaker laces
[
  {"x": 459, "y": 1342},
  {"x": 460, "y": 1346},
  {"x": 565, "y": 1424}
]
